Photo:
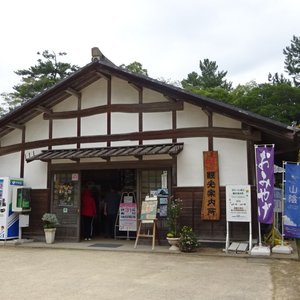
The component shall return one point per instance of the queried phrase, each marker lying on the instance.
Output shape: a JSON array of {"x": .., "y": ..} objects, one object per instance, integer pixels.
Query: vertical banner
[
  {"x": 264, "y": 156},
  {"x": 211, "y": 201},
  {"x": 292, "y": 200}
]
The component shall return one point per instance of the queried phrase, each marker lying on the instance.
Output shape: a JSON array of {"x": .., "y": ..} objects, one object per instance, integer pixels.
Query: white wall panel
[
  {"x": 35, "y": 174},
  {"x": 190, "y": 162},
  {"x": 95, "y": 94},
  {"x": 157, "y": 121},
  {"x": 37, "y": 129},
  {"x": 191, "y": 116},
  {"x": 123, "y": 93},
  {"x": 10, "y": 165},
  {"x": 13, "y": 137},
  {"x": 232, "y": 161},
  {"x": 222, "y": 121}
]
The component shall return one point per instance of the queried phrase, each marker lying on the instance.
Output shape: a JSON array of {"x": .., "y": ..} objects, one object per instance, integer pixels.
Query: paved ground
[{"x": 44, "y": 273}]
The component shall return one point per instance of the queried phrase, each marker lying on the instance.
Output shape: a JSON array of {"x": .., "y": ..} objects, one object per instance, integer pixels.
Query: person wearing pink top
[{"x": 88, "y": 212}]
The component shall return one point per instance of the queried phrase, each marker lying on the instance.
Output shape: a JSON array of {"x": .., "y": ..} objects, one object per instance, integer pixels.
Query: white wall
[
  {"x": 123, "y": 93},
  {"x": 95, "y": 94},
  {"x": 190, "y": 162},
  {"x": 37, "y": 128},
  {"x": 191, "y": 116},
  {"x": 222, "y": 121},
  {"x": 13, "y": 137},
  {"x": 35, "y": 174},
  {"x": 232, "y": 161},
  {"x": 10, "y": 165}
]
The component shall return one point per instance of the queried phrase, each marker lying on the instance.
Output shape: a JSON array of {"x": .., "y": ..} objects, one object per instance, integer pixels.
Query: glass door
[{"x": 66, "y": 204}]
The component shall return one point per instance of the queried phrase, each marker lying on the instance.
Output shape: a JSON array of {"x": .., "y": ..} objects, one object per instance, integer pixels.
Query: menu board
[{"x": 238, "y": 203}]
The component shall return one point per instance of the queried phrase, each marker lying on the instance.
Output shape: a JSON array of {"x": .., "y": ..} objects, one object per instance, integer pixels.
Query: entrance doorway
[{"x": 101, "y": 182}]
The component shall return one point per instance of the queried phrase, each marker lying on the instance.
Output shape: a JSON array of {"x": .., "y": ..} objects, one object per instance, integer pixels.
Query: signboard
[
  {"x": 292, "y": 200},
  {"x": 211, "y": 201},
  {"x": 128, "y": 217},
  {"x": 149, "y": 210},
  {"x": 238, "y": 203}
]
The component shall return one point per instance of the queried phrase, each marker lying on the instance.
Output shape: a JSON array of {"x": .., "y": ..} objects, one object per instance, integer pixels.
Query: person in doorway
[
  {"x": 88, "y": 212},
  {"x": 111, "y": 209}
]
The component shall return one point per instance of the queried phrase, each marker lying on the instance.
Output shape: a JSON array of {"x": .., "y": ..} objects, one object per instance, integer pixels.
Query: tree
[
  {"x": 209, "y": 77},
  {"x": 135, "y": 67},
  {"x": 280, "y": 102},
  {"x": 292, "y": 60},
  {"x": 47, "y": 72}
]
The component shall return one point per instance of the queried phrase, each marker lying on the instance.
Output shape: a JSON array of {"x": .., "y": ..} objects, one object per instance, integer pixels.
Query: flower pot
[
  {"x": 49, "y": 235},
  {"x": 174, "y": 242}
]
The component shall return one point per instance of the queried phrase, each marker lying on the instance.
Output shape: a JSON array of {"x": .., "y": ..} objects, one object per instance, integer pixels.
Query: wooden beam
[
  {"x": 231, "y": 133},
  {"x": 102, "y": 75},
  {"x": 135, "y": 86},
  {"x": 73, "y": 92},
  {"x": 43, "y": 109},
  {"x": 15, "y": 126},
  {"x": 125, "y": 108},
  {"x": 171, "y": 99}
]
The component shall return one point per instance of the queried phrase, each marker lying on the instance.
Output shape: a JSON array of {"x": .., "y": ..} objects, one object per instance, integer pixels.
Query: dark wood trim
[
  {"x": 141, "y": 114},
  {"x": 22, "y": 153},
  {"x": 251, "y": 163},
  {"x": 210, "y": 137},
  {"x": 50, "y": 133},
  {"x": 231, "y": 133},
  {"x": 109, "y": 108},
  {"x": 108, "y": 125},
  {"x": 78, "y": 118},
  {"x": 137, "y": 164},
  {"x": 174, "y": 123}
]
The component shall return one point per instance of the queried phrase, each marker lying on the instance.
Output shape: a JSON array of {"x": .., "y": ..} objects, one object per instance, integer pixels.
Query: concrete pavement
[{"x": 74, "y": 273}]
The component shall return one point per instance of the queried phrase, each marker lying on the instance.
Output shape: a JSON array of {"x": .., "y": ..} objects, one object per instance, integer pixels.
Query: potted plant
[
  {"x": 173, "y": 222},
  {"x": 188, "y": 241},
  {"x": 49, "y": 223}
]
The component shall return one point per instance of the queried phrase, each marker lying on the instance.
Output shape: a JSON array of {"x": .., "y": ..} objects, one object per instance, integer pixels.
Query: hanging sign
[
  {"x": 292, "y": 200},
  {"x": 211, "y": 201},
  {"x": 238, "y": 203},
  {"x": 265, "y": 183},
  {"x": 128, "y": 217}
]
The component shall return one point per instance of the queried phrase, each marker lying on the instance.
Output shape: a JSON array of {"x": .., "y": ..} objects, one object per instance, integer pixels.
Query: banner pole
[{"x": 282, "y": 249}]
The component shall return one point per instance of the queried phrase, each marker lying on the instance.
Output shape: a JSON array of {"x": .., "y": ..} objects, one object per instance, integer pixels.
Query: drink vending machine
[{"x": 14, "y": 198}]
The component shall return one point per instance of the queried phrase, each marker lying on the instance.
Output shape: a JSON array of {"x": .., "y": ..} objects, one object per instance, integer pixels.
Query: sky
[{"x": 169, "y": 37}]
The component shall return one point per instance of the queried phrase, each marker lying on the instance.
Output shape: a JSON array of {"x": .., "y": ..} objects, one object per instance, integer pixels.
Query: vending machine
[{"x": 9, "y": 218}]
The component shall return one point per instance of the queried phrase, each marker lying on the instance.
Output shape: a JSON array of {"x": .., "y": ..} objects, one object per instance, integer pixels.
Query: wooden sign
[{"x": 211, "y": 195}]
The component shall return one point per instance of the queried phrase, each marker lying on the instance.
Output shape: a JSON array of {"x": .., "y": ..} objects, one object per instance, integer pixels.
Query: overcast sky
[{"x": 169, "y": 37}]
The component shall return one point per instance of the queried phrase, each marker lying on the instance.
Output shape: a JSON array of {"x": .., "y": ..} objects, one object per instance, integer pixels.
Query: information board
[
  {"x": 238, "y": 203},
  {"x": 128, "y": 217}
]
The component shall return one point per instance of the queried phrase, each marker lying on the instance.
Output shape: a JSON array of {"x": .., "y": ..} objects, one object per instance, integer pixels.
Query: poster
[
  {"x": 292, "y": 200},
  {"x": 149, "y": 210},
  {"x": 238, "y": 203},
  {"x": 128, "y": 217}
]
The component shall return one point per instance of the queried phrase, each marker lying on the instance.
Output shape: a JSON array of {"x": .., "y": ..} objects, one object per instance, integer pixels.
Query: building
[{"x": 106, "y": 125}]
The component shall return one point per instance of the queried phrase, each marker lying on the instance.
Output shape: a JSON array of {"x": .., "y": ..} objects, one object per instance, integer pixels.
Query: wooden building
[{"x": 105, "y": 124}]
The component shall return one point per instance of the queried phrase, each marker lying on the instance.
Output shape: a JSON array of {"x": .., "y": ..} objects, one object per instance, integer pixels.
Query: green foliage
[
  {"x": 173, "y": 217},
  {"x": 188, "y": 241},
  {"x": 280, "y": 102},
  {"x": 209, "y": 77},
  {"x": 49, "y": 220},
  {"x": 292, "y": 60},
  {"x": 47, "y": 72},
  {"x": 135, "y": 67}
]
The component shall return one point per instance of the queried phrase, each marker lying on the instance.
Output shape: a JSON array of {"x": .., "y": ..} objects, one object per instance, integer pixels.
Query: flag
[
  {"x": 292, "y": 200},
  {"x": 264, "y": 156}
]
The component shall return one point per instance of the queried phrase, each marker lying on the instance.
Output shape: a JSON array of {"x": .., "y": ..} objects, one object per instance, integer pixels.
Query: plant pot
[
  {"x": 174, "y": 242},
  {"x": 50, "y": 235}
]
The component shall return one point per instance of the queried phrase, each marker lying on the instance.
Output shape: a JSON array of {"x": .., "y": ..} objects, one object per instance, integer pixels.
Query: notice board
[{"x": 238, "y": 203}]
